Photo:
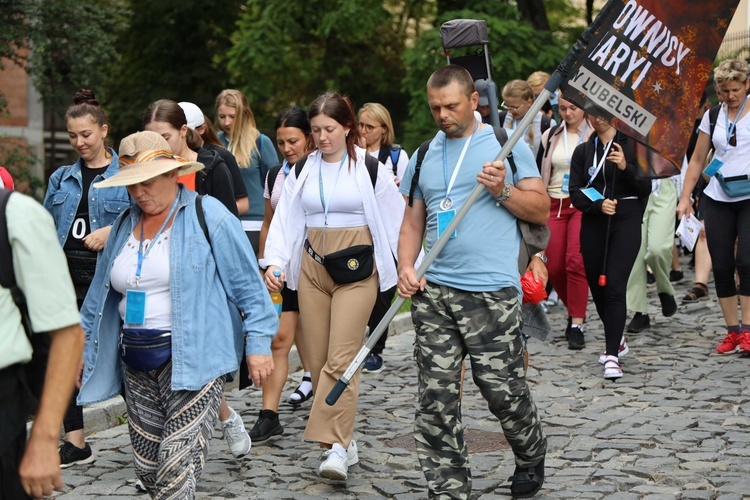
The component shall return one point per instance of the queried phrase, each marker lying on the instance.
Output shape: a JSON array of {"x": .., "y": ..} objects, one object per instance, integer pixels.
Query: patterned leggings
[{"x": 169, "y": 430}]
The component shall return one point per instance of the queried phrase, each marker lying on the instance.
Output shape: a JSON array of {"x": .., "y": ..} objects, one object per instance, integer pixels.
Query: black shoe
[
  {"x": 574, "y": 334},
  {"x": 267, "y": 425},
  {"x": 668, "y": 304},
  {"x": 650, "y": 278},
  {"x": 676, "y": 275},
  {"x": 70, "y": 454},
  {"x": 639, "y": 323},
  {"x": 527, "y": 481}
]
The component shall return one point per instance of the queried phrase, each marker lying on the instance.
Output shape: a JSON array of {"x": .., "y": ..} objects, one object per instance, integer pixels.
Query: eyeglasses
[
  {"x": 511, "y": 108},
  {"x": 367, "y": 127}
]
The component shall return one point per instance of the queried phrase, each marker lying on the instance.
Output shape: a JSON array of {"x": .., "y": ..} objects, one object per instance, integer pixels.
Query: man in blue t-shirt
[{"x": 468, "y": 301}]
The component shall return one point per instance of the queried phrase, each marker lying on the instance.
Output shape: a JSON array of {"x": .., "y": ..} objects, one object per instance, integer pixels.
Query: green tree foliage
[
  {"x": 517, "y": 50},
  {"x": 287, "y": 53},
  {"x": 13, "y": 36},
  {"x": 173, "y": 49}
]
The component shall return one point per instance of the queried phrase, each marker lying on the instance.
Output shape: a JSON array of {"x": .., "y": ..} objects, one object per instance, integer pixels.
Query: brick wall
[{"x": 14, "y": 83}]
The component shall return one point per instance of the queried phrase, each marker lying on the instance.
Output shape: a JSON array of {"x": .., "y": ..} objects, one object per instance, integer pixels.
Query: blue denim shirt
[
  {"x": 64, "y": 195},
  {"x": 208, "y": 283}
]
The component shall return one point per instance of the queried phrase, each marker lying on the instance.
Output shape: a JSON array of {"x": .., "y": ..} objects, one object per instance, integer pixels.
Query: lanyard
[
  {"x": 449, "y": 185},
  {"x": 580, "y": 139},
  {"x": 141, "y": 255},
  {"x": 600, "y": 164},
  {"x": 327, "y": 204},
  {"x": 732, "y": 127}
]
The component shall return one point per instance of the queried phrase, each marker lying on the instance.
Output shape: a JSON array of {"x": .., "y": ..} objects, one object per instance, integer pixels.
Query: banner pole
[{"x": 552, "y": 84}]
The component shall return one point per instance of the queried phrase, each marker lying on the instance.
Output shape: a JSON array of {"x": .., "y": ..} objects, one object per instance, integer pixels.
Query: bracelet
[{"x": 504, "y": 194}]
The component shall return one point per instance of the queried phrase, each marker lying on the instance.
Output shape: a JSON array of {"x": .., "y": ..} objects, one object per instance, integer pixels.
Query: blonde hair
[
  {"x": 537, "y": 78},
  {"x": 244, "y": 130},
  {"x": 730, "y": 70},
  {"x": 520, "y": 89},
  {"x": 379, "y": 113}
]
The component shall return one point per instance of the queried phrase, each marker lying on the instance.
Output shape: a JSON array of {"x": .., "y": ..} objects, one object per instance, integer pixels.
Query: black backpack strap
[
  {"x": 501, "y": 117},
  {"x": 502, "y": 137},
  {"x": 372, "y": 165},
  {"x": 202, "y": 217},
  {"x": 272, "y": 174},
  {"x": 417, "y": 167},
  {"x": 546, "y": 122},
  {"x": 7, "y": 275},
  {"x": 713, "y": 115},
  {"x": 383, "y": 154},
  {"x": 299, "y": 165}
]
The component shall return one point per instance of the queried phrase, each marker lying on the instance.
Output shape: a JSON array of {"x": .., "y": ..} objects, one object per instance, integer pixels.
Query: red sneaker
[
  {"x": 745, "y": 341},
  {"x": 730, "y": 343}
]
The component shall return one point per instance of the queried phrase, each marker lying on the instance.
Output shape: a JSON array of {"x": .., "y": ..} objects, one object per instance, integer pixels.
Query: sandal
[
  {"x": 698, "y": 293},
  {"x": 302, "y": 396}
]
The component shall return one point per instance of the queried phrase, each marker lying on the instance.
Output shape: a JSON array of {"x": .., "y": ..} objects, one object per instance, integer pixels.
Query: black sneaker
[
  {"x": 267, "y": 425},
  {"x": 373, "y": 363},
  {"x": 639, "y": 323},
  {"x": 574, "y": 334},
  {"x": 70, "y": 454},
  {"x": 650, "y": 278},
  {"x": 668, "y": 304},
  {"x": 527, "y": 481},
  {"x": 676, "y": 275}
]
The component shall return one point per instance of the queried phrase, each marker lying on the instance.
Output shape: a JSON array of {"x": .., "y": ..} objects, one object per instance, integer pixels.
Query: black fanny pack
[
  {"x": 82, "y": 266},
  {"x": 346, "y": 266},
  {"x": 145, "y": 350}
]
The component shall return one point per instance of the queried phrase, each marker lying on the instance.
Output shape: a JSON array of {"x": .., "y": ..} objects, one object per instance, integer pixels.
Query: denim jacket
[
  {"x": 64, "y": 195},
  {"x": 208, "y": 281}
]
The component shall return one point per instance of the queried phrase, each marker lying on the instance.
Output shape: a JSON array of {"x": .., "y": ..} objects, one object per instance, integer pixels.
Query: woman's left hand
[
  {"x": 96, "y": 240},
  {"x": 616, "y": 156},
  {"x": 259, "y": 368}
]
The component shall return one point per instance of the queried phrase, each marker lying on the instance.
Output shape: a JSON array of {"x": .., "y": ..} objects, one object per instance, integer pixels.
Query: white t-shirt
[
  {"x": 340, "y": 192},
  {"x": 735, "y": 158}
]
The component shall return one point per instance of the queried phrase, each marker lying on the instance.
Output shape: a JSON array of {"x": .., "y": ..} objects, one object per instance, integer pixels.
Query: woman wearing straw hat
[{"x": 159, "y": 317}]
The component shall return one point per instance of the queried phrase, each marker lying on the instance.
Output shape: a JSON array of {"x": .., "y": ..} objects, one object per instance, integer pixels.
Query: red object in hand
[
  {"x": 533, "y": 290},
  {"x": 602, "y": 280}
]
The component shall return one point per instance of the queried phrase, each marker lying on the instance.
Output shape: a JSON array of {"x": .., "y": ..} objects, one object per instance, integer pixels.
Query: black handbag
[
  {"x": 348, "y": 265},
  {"x": 145, "y": 350}
]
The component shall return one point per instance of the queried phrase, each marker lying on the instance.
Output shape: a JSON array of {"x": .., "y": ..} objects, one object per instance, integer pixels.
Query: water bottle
[{"x": 276, "y": 296}]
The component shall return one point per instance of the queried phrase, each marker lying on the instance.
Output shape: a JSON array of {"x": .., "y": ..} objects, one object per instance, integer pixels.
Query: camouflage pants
[{"x": 450, "y": 324}]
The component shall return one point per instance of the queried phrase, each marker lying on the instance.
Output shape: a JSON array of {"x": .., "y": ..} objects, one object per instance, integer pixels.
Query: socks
[
  {"x": 231, "y": 417},
  {"x": 305, "y": 387},
  {"x": 744, "y": 327},
  {"x": 733, "y": 329}
]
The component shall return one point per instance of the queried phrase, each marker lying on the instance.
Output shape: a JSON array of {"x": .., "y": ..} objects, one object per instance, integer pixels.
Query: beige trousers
[{"x": 333, "y": 319}]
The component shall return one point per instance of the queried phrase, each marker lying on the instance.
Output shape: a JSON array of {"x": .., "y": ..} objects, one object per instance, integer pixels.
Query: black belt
[{"x": 319, "y": 259}]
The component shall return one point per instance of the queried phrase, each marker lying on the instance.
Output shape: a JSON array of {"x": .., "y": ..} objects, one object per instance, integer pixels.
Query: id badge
[
  {"x": 135, "y": 307},
  {"x": 565, "y": 184},
  {"x": 443, "y": 219},
  {"x": 592, "y": 194},
  {"x": 713, "y": 167}
]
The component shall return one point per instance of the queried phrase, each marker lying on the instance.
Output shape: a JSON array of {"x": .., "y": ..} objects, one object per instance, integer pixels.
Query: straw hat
[{"x": 143, "y": 156}]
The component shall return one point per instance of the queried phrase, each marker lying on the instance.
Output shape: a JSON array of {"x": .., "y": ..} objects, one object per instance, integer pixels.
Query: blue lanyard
[
  {"x": 326, "y": 204},
  {"x": 141, "y": 254},
  {"x": 732, "y": 127}
]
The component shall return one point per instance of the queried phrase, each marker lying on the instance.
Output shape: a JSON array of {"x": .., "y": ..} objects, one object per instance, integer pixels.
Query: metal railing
[{"x": 736, "y": 45}]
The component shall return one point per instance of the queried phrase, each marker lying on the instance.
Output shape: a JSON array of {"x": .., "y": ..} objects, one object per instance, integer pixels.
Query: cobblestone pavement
[{"x": 676, "y": 426}]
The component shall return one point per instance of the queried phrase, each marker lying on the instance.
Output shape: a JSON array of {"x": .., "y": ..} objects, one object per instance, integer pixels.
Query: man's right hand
[{"x": 408, "y": 283}]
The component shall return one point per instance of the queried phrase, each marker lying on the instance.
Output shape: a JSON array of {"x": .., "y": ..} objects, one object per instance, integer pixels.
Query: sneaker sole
[
  {"x": 334, "y": 474},
  {"x": 365, "y": 370},
  {"x": 79, "y": 462},
  {"x": 736, "y": 349}
]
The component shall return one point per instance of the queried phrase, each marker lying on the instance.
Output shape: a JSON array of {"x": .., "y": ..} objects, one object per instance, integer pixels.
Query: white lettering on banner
[
  {"x": 623, "y": 52},
  {"x": 79, "y": 228},
  {"x": 609, "y": 99}
]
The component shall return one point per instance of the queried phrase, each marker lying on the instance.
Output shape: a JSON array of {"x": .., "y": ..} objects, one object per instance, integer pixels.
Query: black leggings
[
  {"x": 73, "y": 420},
  {"x": 624, "y": 243},
  {"x": 382, "y": 304},
  {"x": 727, "y": 222}
]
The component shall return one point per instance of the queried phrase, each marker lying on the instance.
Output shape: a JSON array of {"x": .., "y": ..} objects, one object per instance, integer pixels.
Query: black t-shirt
[{"x": 81, "y": 226}]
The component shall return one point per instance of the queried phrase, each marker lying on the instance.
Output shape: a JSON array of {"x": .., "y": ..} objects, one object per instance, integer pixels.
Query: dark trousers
[
  {"x": 10, "y": 459},
  {"x": 725, "y": 224},
  {"x": 624, "y": 241},
  {"x": 382, "y": 303},
  {"x": 15, "y": 406}
]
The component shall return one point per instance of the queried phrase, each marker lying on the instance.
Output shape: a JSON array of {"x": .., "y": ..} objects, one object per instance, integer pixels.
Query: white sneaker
[
  {"x": 622, "y": 352},
  {"x": 612, "y": 368},
  {"x": 337, "y": 462},
  {"x": 237, "y": 437}
]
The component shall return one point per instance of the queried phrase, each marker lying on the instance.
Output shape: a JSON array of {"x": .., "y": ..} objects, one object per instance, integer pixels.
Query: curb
[{"x": 107, "y": 414}]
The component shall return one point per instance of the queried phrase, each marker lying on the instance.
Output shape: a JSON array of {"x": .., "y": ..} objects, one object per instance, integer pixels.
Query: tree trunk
[{"x": 534, "y": 12}]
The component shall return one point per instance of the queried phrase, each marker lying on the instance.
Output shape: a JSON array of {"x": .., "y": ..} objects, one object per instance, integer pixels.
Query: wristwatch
[
  {"x": 542, "y": 256},
  {"x": 504, "y": 194}
]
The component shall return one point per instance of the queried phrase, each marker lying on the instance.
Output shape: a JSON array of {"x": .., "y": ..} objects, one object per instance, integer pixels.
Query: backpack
[
  {"x": 272, "y": 174},
  {"x": 394, "y": 152},
  {"x": 371, "y": 163},
  {"x": 713, "y": 115},
  {"x": 534, "y": 237},
  {"x": 36, "y": 369}
]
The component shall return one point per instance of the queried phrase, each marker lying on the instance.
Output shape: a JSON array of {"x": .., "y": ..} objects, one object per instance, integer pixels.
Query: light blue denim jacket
[
  {"x": 208, "y": 283},
  {"x": 64, "y": 195}
]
